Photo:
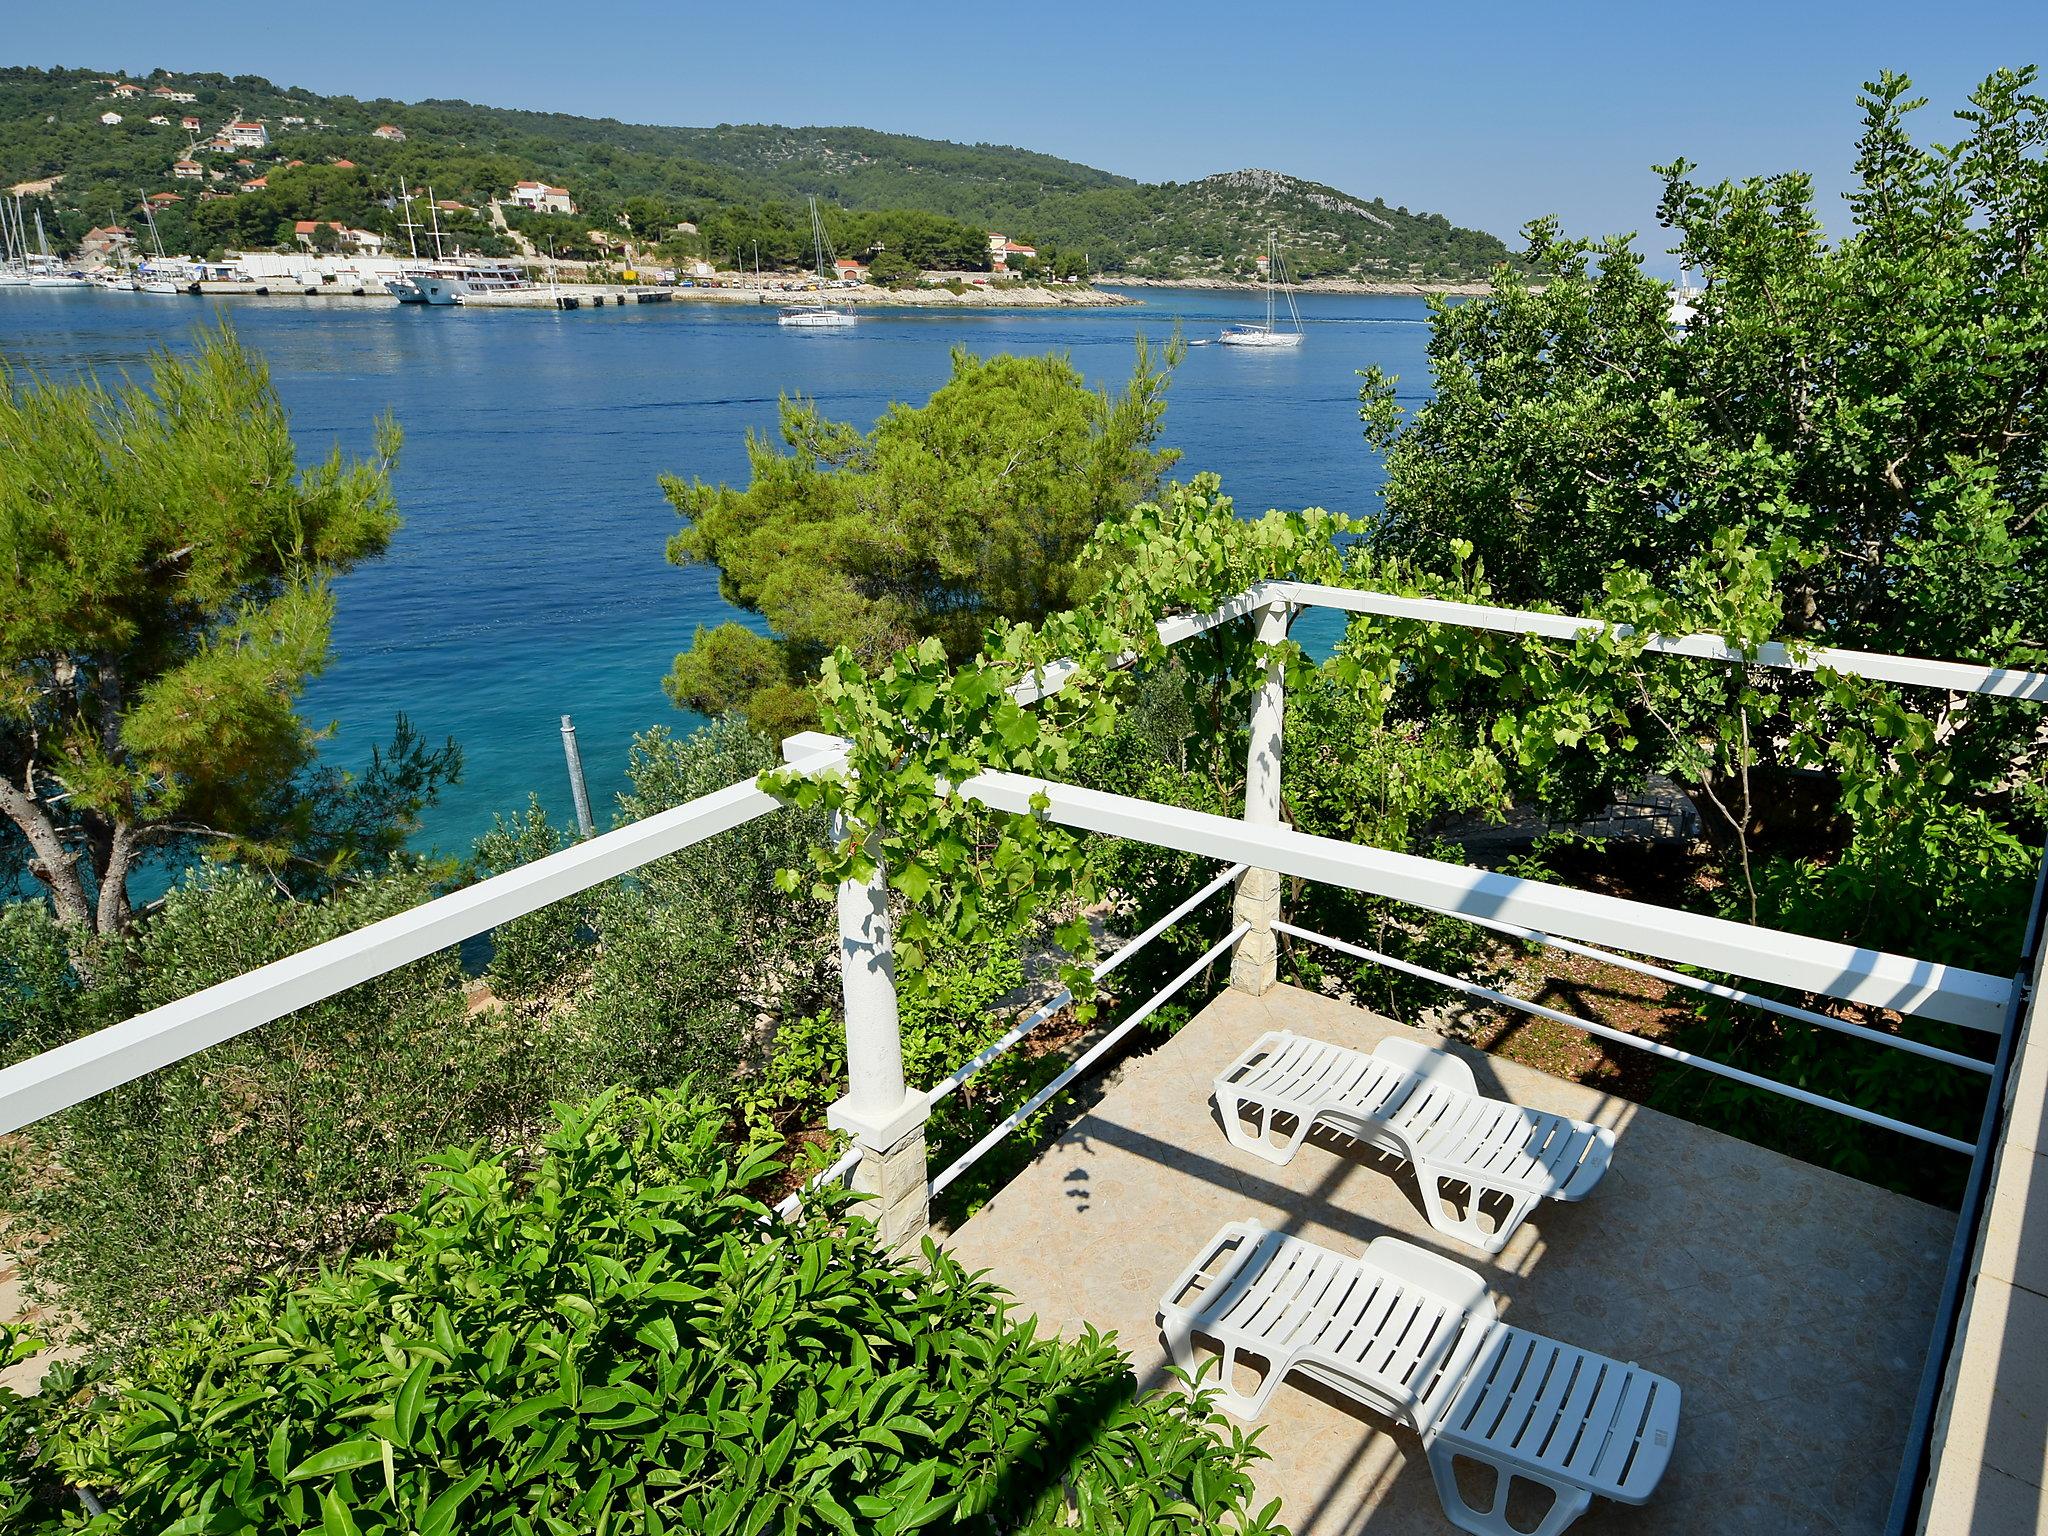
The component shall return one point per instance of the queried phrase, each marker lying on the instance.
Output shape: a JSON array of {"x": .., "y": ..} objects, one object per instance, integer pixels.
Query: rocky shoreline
[{"x": 1350, "y": 285}]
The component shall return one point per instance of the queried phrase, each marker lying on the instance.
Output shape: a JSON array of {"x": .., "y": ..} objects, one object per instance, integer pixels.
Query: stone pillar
[
  {"x": 1255, "y": 967},
  {"x": 885, "y": 1118}
]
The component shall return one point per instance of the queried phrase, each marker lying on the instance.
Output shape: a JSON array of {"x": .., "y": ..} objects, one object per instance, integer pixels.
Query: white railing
[
  {"x": 1613, "y": 929},
  {"x": 120, "y": 1053},
  {"x": 1640, "y": 1043}
]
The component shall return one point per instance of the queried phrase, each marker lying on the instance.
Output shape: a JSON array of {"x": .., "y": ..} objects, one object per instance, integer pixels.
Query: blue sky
[{"x": 1487, "y": 113}]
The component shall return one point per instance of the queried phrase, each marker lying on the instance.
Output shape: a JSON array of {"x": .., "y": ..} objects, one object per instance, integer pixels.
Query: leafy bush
[
  {"x": 534, "y": 954},
  {"x": 621, "y": 1341},
  {"x": 267, "y": 1153},
  {"x": 1947, "y": 883},
  {"x": 701, "y": 956}
]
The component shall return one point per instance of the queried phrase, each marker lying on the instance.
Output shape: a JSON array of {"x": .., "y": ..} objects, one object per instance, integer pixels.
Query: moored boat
[
  {"x": 818, "y": 316},
  {"x": 1268, "y": 335}
]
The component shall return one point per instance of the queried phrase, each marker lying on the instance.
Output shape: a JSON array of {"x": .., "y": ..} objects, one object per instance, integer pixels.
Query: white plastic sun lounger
[
  {"x": 1422, "y": 1105},
  {"x": 1415, "y": 1336}
]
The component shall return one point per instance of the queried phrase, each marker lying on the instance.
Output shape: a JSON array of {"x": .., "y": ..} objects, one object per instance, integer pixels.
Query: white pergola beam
[
  {"x": 1878, "y": 978},
  {"x": 1051, "y": 679},
  {"x": 1913, "y": 671}
]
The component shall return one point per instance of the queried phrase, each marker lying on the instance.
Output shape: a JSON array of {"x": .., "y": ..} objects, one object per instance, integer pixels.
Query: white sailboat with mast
[
  {"x": 154, "y": 278},
  {"x": 13, "y": 250},
  {"x": 818, "y": 316},
  {"x": 1269, "y": 334},
  {"x": 49, "y": 274}
]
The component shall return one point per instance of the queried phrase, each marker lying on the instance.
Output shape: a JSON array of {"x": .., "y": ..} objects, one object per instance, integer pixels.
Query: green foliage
[
  {"x": 917, "y": 724},
  {"x": 163, "y": 600},
  {"x": 533, "y": 955},
  {"x": 31, "y": 1495},
  {"x": 945, "y": 518},
  {"x": 701, "y": 957},
  {"x": 1859, "y": 398},
  {"x": 621, "y": 1341},
  {"x": 269, "y": 1152},
  {"x": 1944, "y": 882}
]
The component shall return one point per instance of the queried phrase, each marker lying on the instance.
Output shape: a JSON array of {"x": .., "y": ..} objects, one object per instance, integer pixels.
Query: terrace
[{"x": 1844, "y": 1353}]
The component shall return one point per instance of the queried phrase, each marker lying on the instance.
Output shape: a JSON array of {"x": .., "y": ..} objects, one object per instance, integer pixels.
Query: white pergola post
[
  {"x": 885, "y": 1117},
  {"x": 1256, "y": 965}
]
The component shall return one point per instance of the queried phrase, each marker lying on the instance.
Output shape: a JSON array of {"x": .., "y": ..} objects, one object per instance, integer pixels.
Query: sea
[{"x": 529, "y": 582}]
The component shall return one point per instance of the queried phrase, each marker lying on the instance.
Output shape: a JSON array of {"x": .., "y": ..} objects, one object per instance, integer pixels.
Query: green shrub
[
  {"x": 619, "y": 1341},
  {"x": 267, "y": 1153},
  {"x": 1944, "y": 882},
  {"x": 533, "y": 955}
]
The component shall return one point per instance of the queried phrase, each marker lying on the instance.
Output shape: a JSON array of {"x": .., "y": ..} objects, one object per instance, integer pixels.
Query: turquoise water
[{"x": 529, "y": 582}]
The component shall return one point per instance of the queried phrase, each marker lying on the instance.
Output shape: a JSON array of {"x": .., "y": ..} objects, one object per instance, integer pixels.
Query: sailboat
[
  {"x": 1269, "y": 334},
  {"x": 817, "y": 316},
  {"x": 155, "y": 277},
  {"x": 13, "y": 252},
  {"x": 49, "y": 274}
]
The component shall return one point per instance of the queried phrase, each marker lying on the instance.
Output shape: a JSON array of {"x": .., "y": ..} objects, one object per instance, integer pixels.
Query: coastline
[
  {"x": 599, "y": 295},
  {"x": 1351, "y": 285}
]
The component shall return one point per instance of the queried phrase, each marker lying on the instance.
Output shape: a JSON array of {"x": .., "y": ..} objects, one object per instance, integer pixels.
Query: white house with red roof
[
  {"x": 388, "y": 131},
  {"x": 541, "y": 197},
  {"x": 245, "y": 136},
  {"x": 188, "y": 170},
  {"x": 1002, "y": 250}
]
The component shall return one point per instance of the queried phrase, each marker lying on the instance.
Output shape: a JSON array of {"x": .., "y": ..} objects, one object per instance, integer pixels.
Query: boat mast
[
  {"x": 149, "y": 218},
  {"x": 434, "y": 213},
  {"x": 410, "y": 223},
  {"x": 1269, "y": 282}
]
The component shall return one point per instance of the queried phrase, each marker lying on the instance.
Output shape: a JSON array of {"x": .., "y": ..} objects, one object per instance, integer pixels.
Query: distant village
[{"x": 240, "y": 154}]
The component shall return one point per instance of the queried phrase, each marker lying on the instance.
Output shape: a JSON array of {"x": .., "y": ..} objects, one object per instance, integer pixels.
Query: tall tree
[
  {"x": 164, "y": 563},
  {"x": 1879, "y": 400},
  {"x": 942, "y": 519}
]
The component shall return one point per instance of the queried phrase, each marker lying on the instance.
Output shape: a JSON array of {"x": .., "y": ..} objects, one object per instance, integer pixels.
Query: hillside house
[
  {"x": 364, "y": 242},
  {"x": 127, "y": 91},
  {"x": 541, "y": 197},
  {"x": 245, "y": 136},
  {"x": 256, "y": 184},
  {"x": 388, "y": 131},
  {"x": 159, "y": 121},
  {"x": 110, "y": 118},
  {"x": 103, "y": 244},
  {"x": 188, "y": 170},
  {"x": 189, "y": 124}
]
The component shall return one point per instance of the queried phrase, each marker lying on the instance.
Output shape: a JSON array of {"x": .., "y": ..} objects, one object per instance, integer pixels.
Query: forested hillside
[{"x": 738, "y": 186}]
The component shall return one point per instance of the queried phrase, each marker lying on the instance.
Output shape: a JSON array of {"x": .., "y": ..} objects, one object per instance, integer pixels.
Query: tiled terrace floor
[{"x": 1791, "y": 1305}]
